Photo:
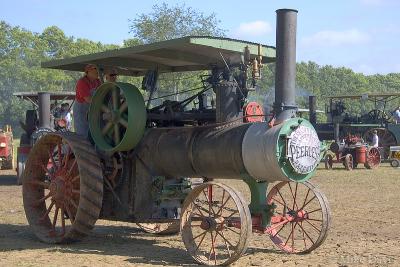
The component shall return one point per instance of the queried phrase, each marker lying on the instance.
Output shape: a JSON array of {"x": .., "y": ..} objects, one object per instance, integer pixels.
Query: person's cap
[
  {"x": 89, "y": 67},
  {"x": 375, "y": 131}
]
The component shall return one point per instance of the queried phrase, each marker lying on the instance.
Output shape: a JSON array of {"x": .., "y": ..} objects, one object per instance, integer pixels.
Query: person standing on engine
[
  {"x": 85, "y": 88},
  {"x": 66, "y": 115},
  {"x": 111, "y": 75},
  {"x": 397, "y": 115},
  {"x": 375, "y": 139}
]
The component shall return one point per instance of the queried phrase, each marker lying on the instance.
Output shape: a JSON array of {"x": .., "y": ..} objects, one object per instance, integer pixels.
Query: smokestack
[
  {"x": 285, "y": 72},
  {"x": 44, "y": 109},
  {"x": 312, "y": 106}
]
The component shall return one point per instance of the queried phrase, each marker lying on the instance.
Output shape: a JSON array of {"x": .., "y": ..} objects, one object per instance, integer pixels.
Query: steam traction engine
[
  {"x": 140, "y": 165},
  {"x": 353, "y": 151}
]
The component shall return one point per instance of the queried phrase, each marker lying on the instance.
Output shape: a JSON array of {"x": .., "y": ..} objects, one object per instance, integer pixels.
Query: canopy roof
[
  {"x": 184, "y": 54},
  {"x": 33, "y": 97},
  {"x": 366, "y": 96}
]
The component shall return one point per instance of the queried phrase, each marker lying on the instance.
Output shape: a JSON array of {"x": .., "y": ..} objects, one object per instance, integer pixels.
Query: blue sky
[{"x": 360, "y": 34}]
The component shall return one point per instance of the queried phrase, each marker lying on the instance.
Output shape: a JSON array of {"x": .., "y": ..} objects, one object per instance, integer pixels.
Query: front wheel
[{"x": 301, "y": 218}]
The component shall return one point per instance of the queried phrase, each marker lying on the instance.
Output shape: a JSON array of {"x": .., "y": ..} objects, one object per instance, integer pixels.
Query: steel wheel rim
[
  {"x": 228, "y": 229},
  {"x": 298, "y": 225}
]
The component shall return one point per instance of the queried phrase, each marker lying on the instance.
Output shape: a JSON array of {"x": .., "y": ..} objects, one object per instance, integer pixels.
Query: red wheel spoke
[
  {"x": 48, "y": 210},
  {"x": 295, "y": 198},
  {"x": 316, "y": 228},
  {"x": 55, "y": 218},
  {"x": 59, "y": 150},
  {"x": 41, "y": 183},
  {"x": 66, "y": 158},
  {"x": 62, "y": 222},
  {"x": 43, "y": 199},
  {"x": 230, "y": 229},
  {"x": 308, "y": 202},
  {"x": 233, "y": 213},
  {"x": 314, "y": 211},
  {"x": 201, "y": 241},
  {"x": 304, "y": 203},
  {"x": 44, "y": 167},
  {"x": 209, "y": 200},
  {"x": 291, "y": 233},
  {"x": 205, "y": 232},
  {"x": 71, "y": 218},
  {"x": 279, "y": 202},
  {"x": 314, "y": 220},
  {"x": 198, "y": 208},
  {"x": 212, "y": 249},
  {"x": 227, "y": 243},
  {"x": 283, "y": 226},
  {"x": 306, "y": 234},
  {"x": 52, "y": 160},
  {"x": 223, "y": 205},
  {"x": 281, "y": 197},
  {"x": 304, "y": 237}
]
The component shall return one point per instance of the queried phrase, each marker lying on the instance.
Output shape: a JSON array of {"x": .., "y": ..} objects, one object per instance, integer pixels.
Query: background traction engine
[
  {"x": 353, "y": 152},
  {"x": 140, "y": 172}
]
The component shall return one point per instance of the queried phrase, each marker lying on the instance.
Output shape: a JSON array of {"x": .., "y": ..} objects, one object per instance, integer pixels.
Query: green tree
[{"x": 168, "y": 22}]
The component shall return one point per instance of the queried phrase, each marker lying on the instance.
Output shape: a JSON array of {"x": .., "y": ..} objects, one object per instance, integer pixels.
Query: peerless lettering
[{"x": 303, "y": 150}]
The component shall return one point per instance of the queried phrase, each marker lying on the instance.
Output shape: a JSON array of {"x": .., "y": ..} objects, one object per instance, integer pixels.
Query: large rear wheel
[{"x": 62, "y": 188}]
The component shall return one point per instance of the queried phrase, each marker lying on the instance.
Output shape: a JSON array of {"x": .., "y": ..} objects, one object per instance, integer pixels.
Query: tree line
[{"x": 22, "y": 51}]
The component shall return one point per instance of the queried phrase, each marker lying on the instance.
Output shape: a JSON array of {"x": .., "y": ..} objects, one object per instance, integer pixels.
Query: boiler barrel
[{"x": 288, "y": 151}]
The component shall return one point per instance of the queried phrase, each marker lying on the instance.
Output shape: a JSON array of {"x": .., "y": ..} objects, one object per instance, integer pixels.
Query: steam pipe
[
  {"x": 44, "y": 109},
  {"x": 285, "y": 75},
  {"x": 312, "y": 106}
]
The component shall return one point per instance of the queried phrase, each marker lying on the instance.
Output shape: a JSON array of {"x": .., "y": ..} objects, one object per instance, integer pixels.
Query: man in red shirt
[{"x": 85, "y": 88}]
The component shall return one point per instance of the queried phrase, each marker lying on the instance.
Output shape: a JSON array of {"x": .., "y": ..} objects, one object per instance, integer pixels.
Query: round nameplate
[{"x": 303, "y": 149}]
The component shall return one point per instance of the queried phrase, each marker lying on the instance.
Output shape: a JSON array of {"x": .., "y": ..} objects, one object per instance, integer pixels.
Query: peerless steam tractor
[{"x": 142, "y": 160}]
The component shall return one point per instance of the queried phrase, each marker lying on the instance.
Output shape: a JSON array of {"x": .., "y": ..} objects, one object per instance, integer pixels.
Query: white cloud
[
  {"x": 336, "y": 38},
  {"x": 252, "y": 29}
]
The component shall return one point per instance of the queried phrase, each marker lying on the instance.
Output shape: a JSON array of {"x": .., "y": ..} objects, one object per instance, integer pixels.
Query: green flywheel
[{"x": 117, "y": 117}]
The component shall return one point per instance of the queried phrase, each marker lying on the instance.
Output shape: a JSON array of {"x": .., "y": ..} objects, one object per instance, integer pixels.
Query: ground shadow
[
  {"x": 110, "y": 240},
  {"x": 104, "y": 240}
]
